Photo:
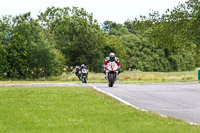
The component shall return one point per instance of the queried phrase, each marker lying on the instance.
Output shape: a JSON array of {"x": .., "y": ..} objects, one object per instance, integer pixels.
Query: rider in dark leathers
[{"x": 78, "y": 70}]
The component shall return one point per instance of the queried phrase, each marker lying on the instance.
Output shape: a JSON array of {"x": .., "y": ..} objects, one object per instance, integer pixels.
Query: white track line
[
  {"x": 115, "y": 97},
  {"x": 127, "y": 103}
]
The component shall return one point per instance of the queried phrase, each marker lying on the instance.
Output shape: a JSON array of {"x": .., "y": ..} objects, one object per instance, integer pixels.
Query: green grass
[
  {"x": 136, "y": 77},
  {"x": 125, "y": 77},
  {"x": 77, "y": 110},
  {"x": 158, "y": 77}
]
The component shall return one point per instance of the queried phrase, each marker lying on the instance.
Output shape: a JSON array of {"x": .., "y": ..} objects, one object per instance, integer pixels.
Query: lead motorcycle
[{"x": 112, "y": 73}]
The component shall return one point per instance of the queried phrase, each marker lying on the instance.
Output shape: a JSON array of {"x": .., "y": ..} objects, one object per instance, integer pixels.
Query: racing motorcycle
[
  {"x": 111, "y": 73},
  {"x": 84, "y": 74}
]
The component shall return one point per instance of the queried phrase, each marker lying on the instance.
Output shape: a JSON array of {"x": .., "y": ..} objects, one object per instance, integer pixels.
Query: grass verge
[
  {"x": 77, "y": 110},
  {"x": 125, "y": 77}
]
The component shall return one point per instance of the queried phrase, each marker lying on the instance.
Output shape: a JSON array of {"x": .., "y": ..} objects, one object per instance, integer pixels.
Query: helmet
[
  {"x": 112, "y": 56},
  {"x": 83, "y": 66}
]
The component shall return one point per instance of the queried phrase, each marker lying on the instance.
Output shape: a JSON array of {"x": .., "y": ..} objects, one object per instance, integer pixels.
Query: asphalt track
[{"x": 181, "y": 100}]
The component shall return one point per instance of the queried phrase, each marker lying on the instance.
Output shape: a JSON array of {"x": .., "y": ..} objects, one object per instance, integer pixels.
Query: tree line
[{"x": 61, "y": 38}]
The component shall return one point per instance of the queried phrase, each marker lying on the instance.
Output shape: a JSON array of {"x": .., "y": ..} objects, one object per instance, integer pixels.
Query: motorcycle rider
[
  {"x": 112, "y": 58},
  {"x": 83, "y": 66},
  {"x": 78, "y": 70}
]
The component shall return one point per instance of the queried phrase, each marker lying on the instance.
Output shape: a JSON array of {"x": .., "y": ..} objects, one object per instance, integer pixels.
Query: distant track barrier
[{"x": 198, "y": 74}]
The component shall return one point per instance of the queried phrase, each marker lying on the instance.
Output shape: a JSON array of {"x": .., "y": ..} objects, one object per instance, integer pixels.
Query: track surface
[
  {"x": 180, "y": 100},
  {"x": 177, "y": 100}
]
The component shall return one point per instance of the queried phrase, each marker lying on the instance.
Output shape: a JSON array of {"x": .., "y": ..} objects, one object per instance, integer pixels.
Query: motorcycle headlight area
[
  {"x": 115, "y": 68},
  {"x": 109, "y": 68},
  {"x": 84, "y": 71}
]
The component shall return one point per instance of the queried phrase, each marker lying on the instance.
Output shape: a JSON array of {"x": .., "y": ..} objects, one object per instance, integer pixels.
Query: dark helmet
[
  {"x": 112, "y": 56},
  {"x": 83, "y": 66}
]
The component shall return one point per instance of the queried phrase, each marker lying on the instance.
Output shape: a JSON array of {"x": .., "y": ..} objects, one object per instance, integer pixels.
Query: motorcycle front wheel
[
  {"x": 111, "y": 79},
  {"x": 84, "y": 80}
]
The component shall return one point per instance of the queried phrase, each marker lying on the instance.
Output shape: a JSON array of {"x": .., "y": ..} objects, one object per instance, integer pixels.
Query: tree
[
  {"x": 76, "y": 35},
  {"x": 108, "y": 25},
  {"x": 174, "y": 32},
  {"x": 142, "y": 55},
  {"x": 22, "y": 40},
  {"x": 113, "y": 44},
  {"x": 3, "y": 61}
]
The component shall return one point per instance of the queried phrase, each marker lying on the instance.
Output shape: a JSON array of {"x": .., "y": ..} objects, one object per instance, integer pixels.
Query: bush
[{"x": 182, "y": 62}]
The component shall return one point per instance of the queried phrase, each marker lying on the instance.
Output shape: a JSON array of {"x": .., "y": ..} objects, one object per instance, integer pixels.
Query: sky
[{"x": 113, "y": 10}]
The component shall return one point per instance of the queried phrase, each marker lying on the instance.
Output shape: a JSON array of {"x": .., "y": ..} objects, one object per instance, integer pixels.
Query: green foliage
[
  {"x": 174, "y": 34},
  {"x": 114, "y": 45},
  {"x": 4, "y": 40},
  {"x": 47, "y": 61},
  {"x": 109, "y": 25},
  {"x": 34, "y": 48},
  {"x": 119, "y": 32},
  {"x": 76, "y": 35},
  {"x": 143, "y": 56},
  {"x": 25, "y": 50},
  {"x": 182, "y": 62},
  {"x": 3, "y": 61}
]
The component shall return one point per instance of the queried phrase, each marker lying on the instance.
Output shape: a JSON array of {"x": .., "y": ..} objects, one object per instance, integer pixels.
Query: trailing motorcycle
[
  {"x": 111, "y": 73},
  {"x": 84, "y": 75}
]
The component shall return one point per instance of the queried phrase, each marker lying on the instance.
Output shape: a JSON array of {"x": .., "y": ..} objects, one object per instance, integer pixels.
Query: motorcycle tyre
[
  {"x": 111, "y": 81},
  {"x": 84, "y": 80}
]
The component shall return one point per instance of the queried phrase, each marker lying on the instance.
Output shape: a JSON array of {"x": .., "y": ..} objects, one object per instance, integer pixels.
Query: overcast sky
[{"x": 114, "y": 10}]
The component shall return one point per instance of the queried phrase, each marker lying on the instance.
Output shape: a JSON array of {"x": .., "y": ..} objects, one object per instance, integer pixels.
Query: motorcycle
[
  {"x": 84, "y": 74},
  {"x": 111, "y": 73}
]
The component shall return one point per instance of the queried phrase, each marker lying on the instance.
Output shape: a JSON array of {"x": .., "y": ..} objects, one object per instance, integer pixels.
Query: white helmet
[
  {"x": 83, "y": 66},
  {"x": 112, "y": 56}
]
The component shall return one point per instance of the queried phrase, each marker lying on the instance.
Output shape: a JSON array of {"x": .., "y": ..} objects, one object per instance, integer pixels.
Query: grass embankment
[
  {"x": 158, "y": 77},
  {"x": 77, "y": 110},
  {"x": 125, "y": 77},
  {"x": 135, "y": 77}
]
